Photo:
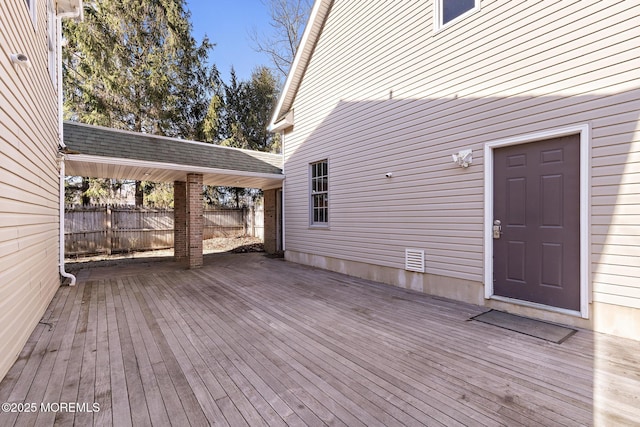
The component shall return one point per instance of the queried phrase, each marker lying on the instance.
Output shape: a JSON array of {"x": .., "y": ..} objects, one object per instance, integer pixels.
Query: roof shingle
[{"x": 114, "y": 143}]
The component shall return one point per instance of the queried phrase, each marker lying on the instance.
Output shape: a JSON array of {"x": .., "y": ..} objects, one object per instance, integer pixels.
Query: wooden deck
[{"x": 249, "y": 340}]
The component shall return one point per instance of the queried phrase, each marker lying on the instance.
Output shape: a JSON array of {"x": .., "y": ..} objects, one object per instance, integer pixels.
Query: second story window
[
  {"x": 52, "y": 43},
  {"x": 449, "y": 11},
  {"x": 31, "y": 7}
]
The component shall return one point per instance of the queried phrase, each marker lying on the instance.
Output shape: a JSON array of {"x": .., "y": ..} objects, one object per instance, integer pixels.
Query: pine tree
[
  {"x": 134, "y": 65},
  {"x": 245, "y": 109},
  {"x": 238, "y": 117},
  {"x": 261, "y": 98}
]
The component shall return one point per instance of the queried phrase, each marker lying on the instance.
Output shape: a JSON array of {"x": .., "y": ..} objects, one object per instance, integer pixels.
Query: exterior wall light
[
  {"x": 463, "y": 158},
  {"x": 20, "y": 59}
]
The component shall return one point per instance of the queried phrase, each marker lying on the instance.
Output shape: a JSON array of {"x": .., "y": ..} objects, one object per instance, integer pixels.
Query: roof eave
[
  {"x": 145, "y": 164},
  {"x": 310, "y": 36},
  {"x": 70, "y": 9},
  {"x": 143, "y": 170},
  {"x": 284, "y": 123}
]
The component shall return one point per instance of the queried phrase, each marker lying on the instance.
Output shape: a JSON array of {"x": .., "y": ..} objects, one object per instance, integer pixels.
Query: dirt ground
[{"x": 240, "y": 244}]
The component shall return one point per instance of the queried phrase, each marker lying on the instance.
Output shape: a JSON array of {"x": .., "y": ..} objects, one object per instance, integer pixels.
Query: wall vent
[{"x": 414, "y": 260}]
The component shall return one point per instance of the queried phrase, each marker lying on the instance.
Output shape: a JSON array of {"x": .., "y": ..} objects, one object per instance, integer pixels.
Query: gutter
[
  {"x": 282, "y": 199},
  {"x": 62, "y": 147}
]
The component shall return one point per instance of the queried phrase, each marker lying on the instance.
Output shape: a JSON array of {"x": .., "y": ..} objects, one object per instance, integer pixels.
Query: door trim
[{"x": 585, "y": 136}]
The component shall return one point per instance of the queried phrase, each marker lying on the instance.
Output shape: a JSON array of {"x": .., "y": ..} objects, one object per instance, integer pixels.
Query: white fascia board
[
  {"x": 168, "y": 166},
  {"x": 303, "y": 55},
  {"x": 283, "y": 124}
]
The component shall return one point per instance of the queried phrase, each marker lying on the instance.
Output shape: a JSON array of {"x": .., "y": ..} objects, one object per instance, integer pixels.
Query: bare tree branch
[{"x": 287, "y": 25}]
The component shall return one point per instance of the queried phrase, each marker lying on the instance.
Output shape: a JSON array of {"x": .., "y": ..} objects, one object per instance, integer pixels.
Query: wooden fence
[
  {"x": 255, "y": 222},
  {"x": 108, "y": 229}
]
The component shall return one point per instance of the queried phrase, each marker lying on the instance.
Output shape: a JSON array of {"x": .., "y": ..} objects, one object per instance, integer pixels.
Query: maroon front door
[{"x": 536, "y": 254}]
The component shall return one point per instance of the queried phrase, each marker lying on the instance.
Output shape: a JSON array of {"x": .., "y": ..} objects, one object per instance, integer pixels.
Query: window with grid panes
[{"x": 319, "y": 193}]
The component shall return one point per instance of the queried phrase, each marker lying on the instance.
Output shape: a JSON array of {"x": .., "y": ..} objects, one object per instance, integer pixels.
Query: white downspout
[
  {"x": 61, "y": 156},
  {"x": 63, "y": 273},
  {"x": 284, "y": 183}
]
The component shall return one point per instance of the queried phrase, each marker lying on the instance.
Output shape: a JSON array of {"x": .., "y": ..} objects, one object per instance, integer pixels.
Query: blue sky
[{"x": 228, "y": 24}]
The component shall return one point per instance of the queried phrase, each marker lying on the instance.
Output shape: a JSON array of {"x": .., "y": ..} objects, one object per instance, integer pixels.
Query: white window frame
[
  {"x": 52, "y": 42},
  {"x": 31, "y": 7},
  {"x": 312, "y": 193},
  {"x": 437, "y": 15}
]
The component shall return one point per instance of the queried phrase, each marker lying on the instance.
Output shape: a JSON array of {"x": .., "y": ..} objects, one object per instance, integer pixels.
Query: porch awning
[{"x": 100, "y": 152}]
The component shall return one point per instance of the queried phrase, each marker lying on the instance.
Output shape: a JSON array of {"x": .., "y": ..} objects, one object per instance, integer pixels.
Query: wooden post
[
  {"x": 246, "y": 217},
  {"x": 109, "y": 230},
  {"x": 253, "y": 221}
]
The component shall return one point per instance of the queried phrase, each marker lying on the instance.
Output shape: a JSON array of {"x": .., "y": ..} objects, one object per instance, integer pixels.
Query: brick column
[
  {"x": 195, "y": 221},
  {"x": 270, "y": 222},
  {"x": 180, "y": 221}
]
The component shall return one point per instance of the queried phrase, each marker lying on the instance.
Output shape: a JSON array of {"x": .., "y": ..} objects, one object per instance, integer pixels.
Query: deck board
[
  {"x": 86, "y": 386},
  {"x": 50, "y": 372},
  {"x": 248, "y": 340},
  {"x": 121, "y": 411}
]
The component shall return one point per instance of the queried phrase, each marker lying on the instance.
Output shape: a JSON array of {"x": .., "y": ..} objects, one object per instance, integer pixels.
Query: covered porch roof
[{"x": 100, "y": 152}]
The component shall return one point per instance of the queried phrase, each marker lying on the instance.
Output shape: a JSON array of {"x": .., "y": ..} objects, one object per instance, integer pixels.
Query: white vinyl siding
[
  {"x": 29, "y": 209},
  {"x": 406, "y": 98}
]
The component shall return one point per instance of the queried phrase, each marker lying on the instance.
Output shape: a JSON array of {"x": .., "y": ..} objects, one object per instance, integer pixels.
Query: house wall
[
  {"x": 29, "y": 204},
  {"x": 385, "y": 93}
]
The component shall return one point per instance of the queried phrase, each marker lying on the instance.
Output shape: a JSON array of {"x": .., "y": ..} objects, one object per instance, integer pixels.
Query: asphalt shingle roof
[{"x": 113, "y": 143}]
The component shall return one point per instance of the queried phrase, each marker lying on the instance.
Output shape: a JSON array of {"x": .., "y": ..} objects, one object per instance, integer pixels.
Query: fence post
[
  {"x": 253, "y": 221},
  {"x": 245, "y": 220},
  {"x": 109, "y": 232}
]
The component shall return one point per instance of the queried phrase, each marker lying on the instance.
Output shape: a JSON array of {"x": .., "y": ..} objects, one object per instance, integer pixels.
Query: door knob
[{"x": 497, "y": 229}]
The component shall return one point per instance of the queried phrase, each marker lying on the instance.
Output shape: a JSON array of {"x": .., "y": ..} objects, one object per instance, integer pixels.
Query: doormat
[{"x": 535, "y": 328}]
